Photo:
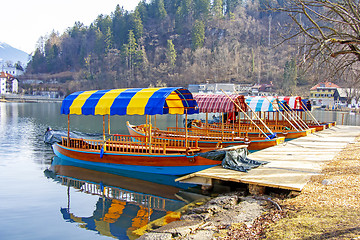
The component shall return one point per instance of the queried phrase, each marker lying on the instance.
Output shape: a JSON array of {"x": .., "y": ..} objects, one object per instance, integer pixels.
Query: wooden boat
[
  {"x": 145, "y": 154},
  {"x": 208, "y": 140},
  {"x": 252, "y": 131},
  {"x": 248, "y": 125},
  {"x": 246, "y": 113}
]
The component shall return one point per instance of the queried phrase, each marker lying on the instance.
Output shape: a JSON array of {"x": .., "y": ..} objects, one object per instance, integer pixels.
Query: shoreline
[
  {"x": 28, "y": 98},
  {"x": 326, "y": 208}
]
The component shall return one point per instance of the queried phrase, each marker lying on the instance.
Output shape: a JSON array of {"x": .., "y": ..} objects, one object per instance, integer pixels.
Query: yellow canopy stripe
[{"x": 75, "y": 107}]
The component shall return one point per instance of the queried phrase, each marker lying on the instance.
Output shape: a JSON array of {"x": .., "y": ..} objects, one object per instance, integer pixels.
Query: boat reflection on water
[{"x": 124, "y": 205}]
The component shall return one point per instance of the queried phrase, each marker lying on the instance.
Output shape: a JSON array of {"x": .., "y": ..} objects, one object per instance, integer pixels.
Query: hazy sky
[{"x": 23, "y": 22}]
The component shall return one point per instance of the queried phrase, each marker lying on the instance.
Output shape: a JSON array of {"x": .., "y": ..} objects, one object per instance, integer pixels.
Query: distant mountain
[{"x": 8, "y": 53}]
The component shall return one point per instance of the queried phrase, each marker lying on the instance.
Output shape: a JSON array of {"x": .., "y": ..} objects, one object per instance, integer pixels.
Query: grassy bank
[{"x": 329, "y": 205}]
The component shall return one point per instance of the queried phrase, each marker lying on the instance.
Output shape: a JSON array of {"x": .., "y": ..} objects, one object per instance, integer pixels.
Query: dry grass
[{"x": 329, "y": 205}]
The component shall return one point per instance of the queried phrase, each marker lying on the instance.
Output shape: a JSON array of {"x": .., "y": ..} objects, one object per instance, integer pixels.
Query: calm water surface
[
  {"x": 36, "y": 203},
  {"x": 42, "y": 197}
]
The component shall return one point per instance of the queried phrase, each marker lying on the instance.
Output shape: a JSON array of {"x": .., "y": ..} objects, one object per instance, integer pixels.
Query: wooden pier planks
[{"x": 290, "y": 164}]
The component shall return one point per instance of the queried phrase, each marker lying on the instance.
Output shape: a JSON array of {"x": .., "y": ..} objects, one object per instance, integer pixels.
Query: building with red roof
[
  {"x": 322, "y": 94},
  {"x": 8, "y": 83}
]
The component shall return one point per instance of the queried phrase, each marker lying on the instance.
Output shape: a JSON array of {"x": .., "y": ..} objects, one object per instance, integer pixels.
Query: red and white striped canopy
[
  {"x": 293, "y": 102},
  {"x": 218, "y": 103}
]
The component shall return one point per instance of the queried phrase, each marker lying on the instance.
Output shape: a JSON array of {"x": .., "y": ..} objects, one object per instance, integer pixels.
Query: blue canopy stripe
[
  {"x": 261, "y": 103},
  {"x": 140, "y": 101}
]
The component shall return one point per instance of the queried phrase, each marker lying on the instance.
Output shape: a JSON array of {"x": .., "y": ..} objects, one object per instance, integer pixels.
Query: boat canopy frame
[{"x": 131, "y": 101}]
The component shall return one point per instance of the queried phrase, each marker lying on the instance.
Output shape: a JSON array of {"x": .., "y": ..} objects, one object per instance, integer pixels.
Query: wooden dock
[{"x": 290, "y": 164}]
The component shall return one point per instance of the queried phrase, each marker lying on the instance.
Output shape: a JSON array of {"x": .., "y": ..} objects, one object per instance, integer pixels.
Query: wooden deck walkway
[{"x": 290, "y": 164}]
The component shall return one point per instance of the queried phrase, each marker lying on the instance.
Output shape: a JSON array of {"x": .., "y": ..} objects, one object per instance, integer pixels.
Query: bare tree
[{"x": 331, "y": 28}]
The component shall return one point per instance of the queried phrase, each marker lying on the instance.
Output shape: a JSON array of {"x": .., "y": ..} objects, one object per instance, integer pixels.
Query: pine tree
[
  {"x": 217, "y": 9},
  {"x": 160, "y": 11},
  {"x": 130, "y": 50},
  {"x": 119, "y": 28},
  {"x": 201, "y": 9},
  {"x": 290, "y": 77},
  {"x": 171, "y": 53},
  {"x": 136, "y": 24},
  {"x": 230, "y": 6},
  {"x": 108, "y": 40},
  {"x": 198, "y": 35}
]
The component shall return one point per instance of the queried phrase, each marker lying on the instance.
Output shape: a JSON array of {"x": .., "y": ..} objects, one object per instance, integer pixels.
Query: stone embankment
[
  {"x": 216, "y": 217},
  {"x": 27, "y": 98}
]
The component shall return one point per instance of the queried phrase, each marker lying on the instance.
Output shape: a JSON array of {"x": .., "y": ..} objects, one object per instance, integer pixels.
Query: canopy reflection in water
[{"x": 124, "y": 205}]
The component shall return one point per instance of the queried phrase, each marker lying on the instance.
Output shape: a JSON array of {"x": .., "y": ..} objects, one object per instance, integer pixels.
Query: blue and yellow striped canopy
[{"x": 131, "y": 101}]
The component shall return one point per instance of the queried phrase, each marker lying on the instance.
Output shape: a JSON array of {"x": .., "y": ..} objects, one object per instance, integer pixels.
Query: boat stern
[{"x": 280, "y": 140}]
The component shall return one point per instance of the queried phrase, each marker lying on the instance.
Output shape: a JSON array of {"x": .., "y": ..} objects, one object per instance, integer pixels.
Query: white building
[
  {"x": 2, "y": 85},
  {"x": 322, "y": 94},
  {"x": 8, "y": 83},
  {"x": 347, "y": 97},
  {"x": 11, "y": 70},
  {"x": 218, "y": 88}
]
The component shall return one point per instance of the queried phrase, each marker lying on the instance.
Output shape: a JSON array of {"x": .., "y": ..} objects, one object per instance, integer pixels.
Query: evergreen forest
[{"x": 174, "y": 43}]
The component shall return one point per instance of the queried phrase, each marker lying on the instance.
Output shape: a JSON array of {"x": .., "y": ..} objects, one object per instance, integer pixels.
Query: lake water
[{"x": 77, "y": 203}]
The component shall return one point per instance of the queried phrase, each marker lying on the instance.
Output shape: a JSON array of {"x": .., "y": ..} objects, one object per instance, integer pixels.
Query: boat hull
[
  {"x": 288, "y": 134},
  {"x": 295, "y": 134},
  {"x": 168, "y": 164},
  {"x": 252, "y": 145}
]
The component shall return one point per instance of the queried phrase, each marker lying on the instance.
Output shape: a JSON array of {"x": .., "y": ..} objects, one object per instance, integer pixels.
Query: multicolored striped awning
[
  {"x": 262, "y": 103},
  {"x": 219, "y": 103},
  {"x": 271, "y": 104},
  {"x": 293, "y": 102},
  {"x": 140, "y": 101}
]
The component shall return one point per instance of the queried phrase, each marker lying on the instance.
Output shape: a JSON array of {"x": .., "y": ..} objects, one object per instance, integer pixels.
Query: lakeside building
[
  {"x": 231, "y": 88},
  {"x": 330, "y": 95},
  {"x": 262, "y": 89},
  {"x": 8, "y": 83},
  {"x": 347, "y": 97},
  {"x": 322, "y": 94},
  {"x": 11, "y": 70}
]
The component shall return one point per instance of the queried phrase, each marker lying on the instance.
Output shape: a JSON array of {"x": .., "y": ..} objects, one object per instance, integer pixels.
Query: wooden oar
[
  {"x": 301, "y": 120},
  {"x": 245, "y": 114},
  {"x": 279, "y": 111},
  {"x": 294, "y": 117},
  {"x": 309, "y": 113},
  {"x": 290, "y": 115},
  {"x": 267, "y": 128}
]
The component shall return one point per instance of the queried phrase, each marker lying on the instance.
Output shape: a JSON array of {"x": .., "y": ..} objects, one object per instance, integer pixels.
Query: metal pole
[
  {"x": 186, "y": 129},
  {"x": 109, "y": 124},
  {"x": 150, "y": 135},
  {"x": 68, "y": 132},
  {"x": 222, "y": 126},
  {"x": 104, "y": 127}
]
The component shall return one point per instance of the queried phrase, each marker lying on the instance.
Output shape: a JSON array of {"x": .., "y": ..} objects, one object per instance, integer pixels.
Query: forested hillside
[{"x": 173, "y": 43}]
